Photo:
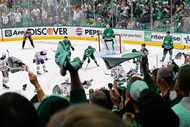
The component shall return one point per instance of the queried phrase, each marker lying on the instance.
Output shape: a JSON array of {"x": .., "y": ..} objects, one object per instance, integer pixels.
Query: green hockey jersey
[
  {"x": 108, "y": 33},
  {"x": 168, "y": 42},
  {"x": 89, "y": 51}
]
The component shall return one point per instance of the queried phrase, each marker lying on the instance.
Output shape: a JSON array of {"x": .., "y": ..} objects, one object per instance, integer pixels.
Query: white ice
[{"x": 50, "y": 79}]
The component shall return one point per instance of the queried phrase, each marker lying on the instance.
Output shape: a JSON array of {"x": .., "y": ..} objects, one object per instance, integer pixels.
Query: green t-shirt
[
  {"x": 183, "y": 114},
  {"x": 187, "y": 2},
  {"x": 25, "y": 19},
  {"x": 168, "y": 42}
]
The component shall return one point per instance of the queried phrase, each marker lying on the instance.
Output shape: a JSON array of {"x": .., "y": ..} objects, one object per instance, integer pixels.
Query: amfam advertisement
[{"x": 38, "y": 31}]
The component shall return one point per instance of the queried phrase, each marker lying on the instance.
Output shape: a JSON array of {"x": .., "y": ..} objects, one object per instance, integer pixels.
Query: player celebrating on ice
[
  {"x": 108, "y": 36},
  {"x": 63, "y": 54},
  {"x": 167, "y": 46},
  {"x": 40, "y": 58},
  {"x": 10, "y": 64},
  {"x": 144, "y": 59},
  {"x": 65, "y": 46},
  {"x": 89, "y": 53}
]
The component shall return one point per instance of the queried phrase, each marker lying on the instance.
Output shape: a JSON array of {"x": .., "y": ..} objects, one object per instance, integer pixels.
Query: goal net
[{"x": 106, "y": 48}]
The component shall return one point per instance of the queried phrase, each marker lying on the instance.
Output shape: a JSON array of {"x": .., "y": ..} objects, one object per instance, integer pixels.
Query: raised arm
[
  {"x": 33, "y": 79},
  {"x": 77, "y": 93}
]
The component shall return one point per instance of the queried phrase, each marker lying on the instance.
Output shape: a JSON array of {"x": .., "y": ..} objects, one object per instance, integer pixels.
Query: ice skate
[
  {"x": 24, "y": 87},
  {"x": 45, "y": 71},
  {"x": 97, "y": 64},
  {"x": 5, "y": 86},
  {"x": 39, "y": 73}
]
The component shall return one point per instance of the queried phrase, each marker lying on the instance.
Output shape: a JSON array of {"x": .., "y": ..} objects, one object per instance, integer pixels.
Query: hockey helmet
[
  {"x": 43, "y": 52},
  {"x": 89, "y": 46},
  {"x": 65, "y": 37},
  {"x": 3, "y": 55},
  {"x": 134, "y": 50},
  {"x": 168, "y": 32}
]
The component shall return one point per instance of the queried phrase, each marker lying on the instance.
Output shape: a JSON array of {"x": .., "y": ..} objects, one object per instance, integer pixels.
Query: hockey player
[
  {"x": 28, "y": 35},
  {"x": 63, "y": 54},
  {"x": 144, "y": 59},
  {"x": 89, "y": 53},
  {"x": 136, "y": 61},
  {"x": 4, "y": 69},
  {"x": 167, "y": 46},
  {"x": 40, "y": 58},
  {"x": 9, "y": 64},
  {"x": 64, "y": 47},
  {"x": 108, "y": 36}
]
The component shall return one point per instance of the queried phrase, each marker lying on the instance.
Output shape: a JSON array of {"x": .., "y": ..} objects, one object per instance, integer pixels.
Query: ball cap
[{"x": 136, "y": 88}]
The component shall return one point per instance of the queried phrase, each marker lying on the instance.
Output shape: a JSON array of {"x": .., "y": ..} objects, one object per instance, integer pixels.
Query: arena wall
[{"x": 151, "y": 38}]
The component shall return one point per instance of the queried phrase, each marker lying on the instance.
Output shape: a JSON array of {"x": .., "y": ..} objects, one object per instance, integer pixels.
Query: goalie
[
  {"x": 108, "y": 36},
  {"x": 89, "y": 53}
]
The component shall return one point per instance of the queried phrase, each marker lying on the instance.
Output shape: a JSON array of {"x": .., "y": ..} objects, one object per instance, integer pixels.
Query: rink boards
[{"x": 151, "y": 38}]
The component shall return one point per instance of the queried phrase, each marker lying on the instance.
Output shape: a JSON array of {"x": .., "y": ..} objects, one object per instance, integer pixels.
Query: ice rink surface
[{"x": 50, "y": 79}]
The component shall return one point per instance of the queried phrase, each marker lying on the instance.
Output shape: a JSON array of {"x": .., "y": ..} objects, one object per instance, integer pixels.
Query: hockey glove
[
  {"x": 73, "y": 48},
  {"x": 19, "y": 63},
  {"x": 162, "y": 46}
]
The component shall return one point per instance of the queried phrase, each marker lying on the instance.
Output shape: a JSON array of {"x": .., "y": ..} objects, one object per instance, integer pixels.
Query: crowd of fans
[
  {"x": 129, "y": 14},
  {"x": 159, "y": 98}
]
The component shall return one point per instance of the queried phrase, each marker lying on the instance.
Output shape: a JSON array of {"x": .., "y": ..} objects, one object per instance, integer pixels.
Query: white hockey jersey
[
  {"x": 41, "y": 55},
  {"x": 11, "y": 64},
  {"x": 3, "y": 65}
]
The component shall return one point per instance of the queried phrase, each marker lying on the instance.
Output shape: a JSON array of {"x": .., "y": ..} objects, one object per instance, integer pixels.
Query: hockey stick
[
  {"x": 16, "y": 68},
  {"x": 12, "y": 69},
  {"x": 86, "y": 66},
  {"x": 8, "y": 53},
  {"x": 104, "y": 71}
]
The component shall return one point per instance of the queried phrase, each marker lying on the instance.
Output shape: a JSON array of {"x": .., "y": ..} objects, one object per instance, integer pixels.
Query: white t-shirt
[
  {"x": 35, "y": 12},
  {"x": 77, "y": 15},
  {"x": 5, "y": 20},
  {"x": 18, "y": 17}
]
